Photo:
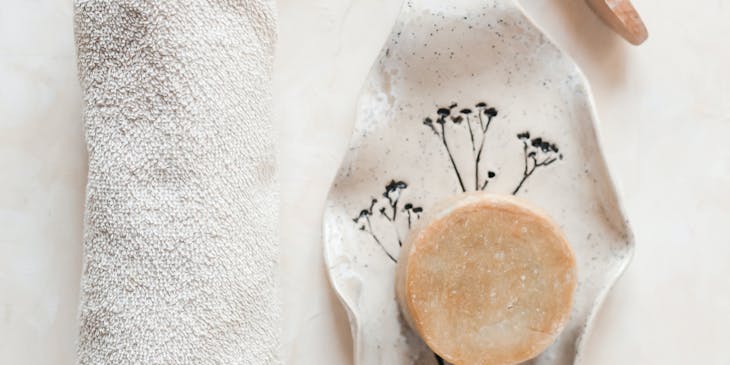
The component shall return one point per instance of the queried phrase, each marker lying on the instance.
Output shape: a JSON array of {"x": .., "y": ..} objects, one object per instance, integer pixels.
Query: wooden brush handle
[{"x": 622, "y": 17}]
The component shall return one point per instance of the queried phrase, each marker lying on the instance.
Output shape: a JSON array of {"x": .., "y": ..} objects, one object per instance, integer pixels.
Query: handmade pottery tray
[{"x": 467, "y": 95}]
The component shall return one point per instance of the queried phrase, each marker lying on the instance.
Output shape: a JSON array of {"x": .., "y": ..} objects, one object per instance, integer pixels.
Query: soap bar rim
[{"x": 451, "y": 204}]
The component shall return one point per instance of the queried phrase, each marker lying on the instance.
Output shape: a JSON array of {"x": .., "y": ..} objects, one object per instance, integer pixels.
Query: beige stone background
[{"x": 665, "y": 125}]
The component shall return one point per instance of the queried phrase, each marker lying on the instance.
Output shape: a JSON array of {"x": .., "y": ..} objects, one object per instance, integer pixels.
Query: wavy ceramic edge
[{"x": 355, "y": 328}]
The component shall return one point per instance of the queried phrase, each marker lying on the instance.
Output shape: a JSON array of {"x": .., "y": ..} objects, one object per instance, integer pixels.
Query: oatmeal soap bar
[{"x": 486, "y": 280}]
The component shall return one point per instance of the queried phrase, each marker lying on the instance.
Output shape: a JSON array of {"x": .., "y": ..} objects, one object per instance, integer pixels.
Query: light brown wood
[{"x": 622, "y": 17}]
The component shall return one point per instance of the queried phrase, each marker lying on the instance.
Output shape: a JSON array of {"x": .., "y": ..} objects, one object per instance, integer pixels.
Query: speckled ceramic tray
[{"x": 467, "y": 95}]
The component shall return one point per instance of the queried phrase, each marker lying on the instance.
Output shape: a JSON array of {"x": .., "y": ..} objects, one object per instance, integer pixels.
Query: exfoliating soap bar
[{"x": 486, "y": 280}]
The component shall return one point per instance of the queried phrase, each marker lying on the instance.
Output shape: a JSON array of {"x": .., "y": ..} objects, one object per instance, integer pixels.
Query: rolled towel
[{"x": 180, "y": 244}]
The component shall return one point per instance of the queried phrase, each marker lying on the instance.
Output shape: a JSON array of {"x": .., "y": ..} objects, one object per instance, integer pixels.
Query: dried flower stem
[
  {"x": 529, "y": 170},
  {"x": 439, "y": 360},
  {"x": 471, "y": 135},
  {"x": 477, "y": 161},
  {"x": 370, "y": 230},
  {"x": 451, "y": 157}
]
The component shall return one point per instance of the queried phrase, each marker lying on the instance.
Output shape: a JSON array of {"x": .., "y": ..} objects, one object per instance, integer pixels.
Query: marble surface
[{"x": 665, "y": 118}]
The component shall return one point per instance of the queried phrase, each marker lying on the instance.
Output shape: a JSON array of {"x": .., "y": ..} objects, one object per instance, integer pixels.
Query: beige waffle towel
[{"x": 180, "y": 243}]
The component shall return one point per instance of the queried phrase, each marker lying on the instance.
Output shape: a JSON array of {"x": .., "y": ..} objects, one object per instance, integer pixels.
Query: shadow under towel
[{"x": 180, "y": 242}]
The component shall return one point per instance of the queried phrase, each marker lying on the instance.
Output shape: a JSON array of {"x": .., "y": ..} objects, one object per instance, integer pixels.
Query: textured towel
[{"x": 180, "y": 245}]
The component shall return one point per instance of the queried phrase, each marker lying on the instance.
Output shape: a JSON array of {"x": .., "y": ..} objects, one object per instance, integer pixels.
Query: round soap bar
[{"x": 486, "y": 280}]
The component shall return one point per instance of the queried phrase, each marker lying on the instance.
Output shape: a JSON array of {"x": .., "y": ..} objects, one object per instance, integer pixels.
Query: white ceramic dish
[{"x": 455, "y": 78}]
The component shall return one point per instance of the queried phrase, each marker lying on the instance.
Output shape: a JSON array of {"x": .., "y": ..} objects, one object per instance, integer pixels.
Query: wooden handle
[{"x": 622, "y": 17}]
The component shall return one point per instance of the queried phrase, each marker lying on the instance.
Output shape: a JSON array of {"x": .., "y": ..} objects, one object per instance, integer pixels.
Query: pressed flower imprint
[
  {"x": 389, "y": 206},
  {"x": 538, "y": 153},
  {"x": 477, "y": 122}
]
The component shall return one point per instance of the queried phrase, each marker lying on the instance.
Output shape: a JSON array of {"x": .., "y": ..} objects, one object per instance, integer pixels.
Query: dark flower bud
[
  {"x": 408, "y": 206},
  {"x": 554, "y": 147},
  {"x": 452, "y": 106},
  {"x": 491, "y": 174},
  {"x": 545, "y": 146},
  {"x": 457, "y": 119},
  {"x": 391, "y": 185},
  {"x": 524, "y": 135},
  {"x": 441, "y": 120},
  {"x": 444, "y": 112},
  {"x": 491, "y": 112},
  {"x": 428, "y": 121},
  {"x": 536, "y": 142},
  {"x": 417, "y": 210},
  {"x": 481, "y": 104},
  {"x": 466, "y": 111}
]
